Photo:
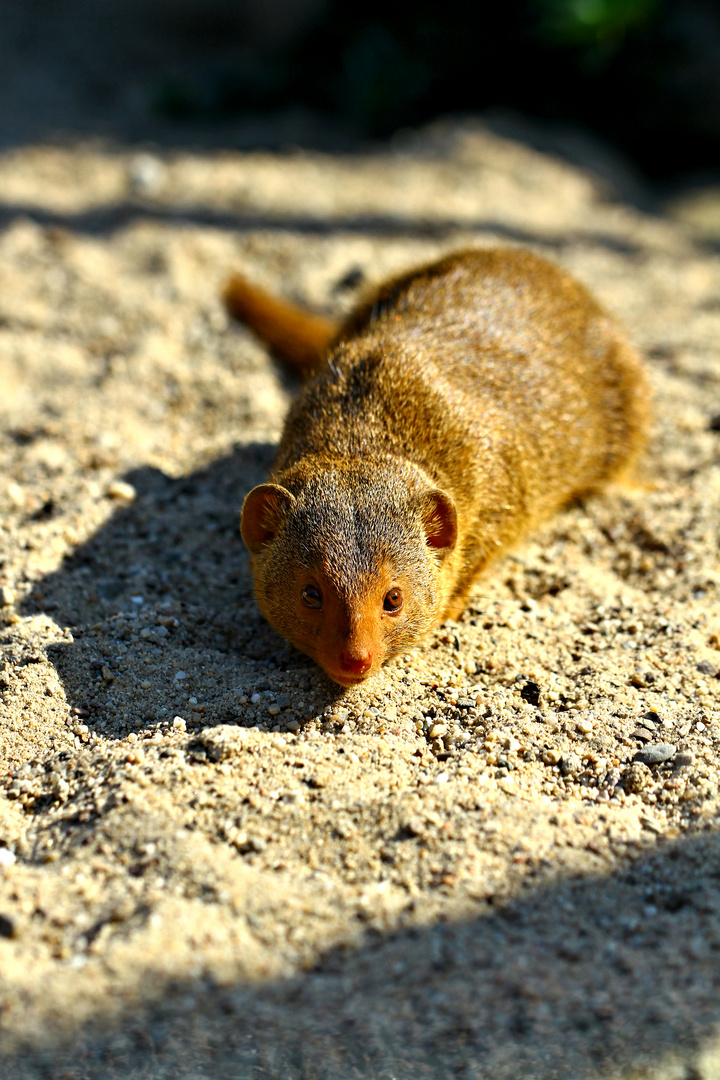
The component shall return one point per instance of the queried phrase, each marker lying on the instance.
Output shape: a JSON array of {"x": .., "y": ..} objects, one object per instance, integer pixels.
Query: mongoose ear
[
  {"x": 439, "y": 518},
  {"x": 264, "y": 510}
]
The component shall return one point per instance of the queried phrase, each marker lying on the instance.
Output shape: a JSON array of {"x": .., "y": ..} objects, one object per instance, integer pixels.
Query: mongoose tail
[{"x": 298, "y": 338}]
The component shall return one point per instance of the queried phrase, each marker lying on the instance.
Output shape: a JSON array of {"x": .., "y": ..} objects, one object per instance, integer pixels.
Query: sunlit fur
[{"x": 459, "y": 406}]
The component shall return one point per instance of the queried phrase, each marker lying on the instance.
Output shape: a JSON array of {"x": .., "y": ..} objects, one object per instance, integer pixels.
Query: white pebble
[
  {"x": 6, "y": 857},
  {"x": 16, "y": 494},
  {"x": 441, "y": 778},
  {"x": 121, "y": 490},
  {"x": 146, "y": 174},
  {"x": 7, "y": 596}
]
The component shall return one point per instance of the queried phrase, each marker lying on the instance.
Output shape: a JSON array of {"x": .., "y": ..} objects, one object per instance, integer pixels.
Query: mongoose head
[{"x": 349, "y": 566}]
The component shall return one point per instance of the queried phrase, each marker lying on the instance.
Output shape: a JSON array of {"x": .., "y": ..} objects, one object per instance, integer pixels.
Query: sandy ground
[{"x": 215, "y": 864}]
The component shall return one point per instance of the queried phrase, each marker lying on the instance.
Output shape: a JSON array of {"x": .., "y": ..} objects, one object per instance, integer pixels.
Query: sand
[{"x": 213, "y": 862}]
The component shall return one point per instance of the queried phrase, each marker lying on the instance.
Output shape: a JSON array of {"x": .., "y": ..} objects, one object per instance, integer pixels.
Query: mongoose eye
[
  {"x": 393, "y": 601},
  {"x": 312, "y": 597}
]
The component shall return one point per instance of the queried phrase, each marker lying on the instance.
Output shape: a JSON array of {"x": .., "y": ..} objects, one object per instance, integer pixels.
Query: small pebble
[
  {"x": 706, "y": 668},
  {"x": 570, "y": 764},
  {"x": 16, "y": 494},
  {"x": 635, "y": 778},
  {"x": 683, "y": 759},
  {"x": 7, "y": 596},
  {"x": 250, "y": 843},
  {"x": 350, "y": 280},
  {"x": 441, "y": 778},
  {"x": 551, "y": 756},
  {"x": 530, "y": 692},
  {"x": 437, "y": 731},
  {"x": 655, "y": 753},
  {"x": 180, "y": 676},
  {"x": 146, "y": 174},
  {"x": 7, "y": 858},
  {"x": 8, "y": 927},
  {"x": 121, "y": 490},
  {"x": 584, "y": 726}
]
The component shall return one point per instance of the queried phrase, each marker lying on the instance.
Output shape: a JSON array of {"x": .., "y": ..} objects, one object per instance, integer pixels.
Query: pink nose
[{"x": 355, "y": 665}]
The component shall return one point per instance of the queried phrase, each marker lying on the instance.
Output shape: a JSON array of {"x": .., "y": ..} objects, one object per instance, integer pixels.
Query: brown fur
[{"x": 460, "y": 405}]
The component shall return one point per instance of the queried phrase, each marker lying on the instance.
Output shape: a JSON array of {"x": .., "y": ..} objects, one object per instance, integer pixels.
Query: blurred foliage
[
  {"x": 383, "y": 68},
  {"x": 642, "y": 73},
  {"x": 592, "y": 25}
]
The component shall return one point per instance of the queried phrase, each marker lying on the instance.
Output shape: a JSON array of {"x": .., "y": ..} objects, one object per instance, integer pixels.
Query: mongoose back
[{"x": 458, "y": 406}]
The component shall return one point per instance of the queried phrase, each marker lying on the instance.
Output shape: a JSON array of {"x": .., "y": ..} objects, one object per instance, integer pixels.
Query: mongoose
[{"x": 457, "y": 406}]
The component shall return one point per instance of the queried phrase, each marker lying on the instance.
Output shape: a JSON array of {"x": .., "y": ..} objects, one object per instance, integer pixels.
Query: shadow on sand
[
  {"x": 111, "y": 218},
  {"x": 580, "y": 978},
  {"x": 594, "y": 977},
  {"x": 175, "y": 548}
]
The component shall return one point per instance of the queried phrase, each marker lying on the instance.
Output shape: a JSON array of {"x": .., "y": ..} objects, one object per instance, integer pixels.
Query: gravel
[
  {"x": 213, "y": 868},
  {"x": 655, "y": 753}
]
